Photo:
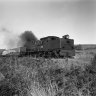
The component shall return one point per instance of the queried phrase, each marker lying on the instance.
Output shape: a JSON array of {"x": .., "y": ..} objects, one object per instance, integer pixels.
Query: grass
[{"x": 27, "y": 76}]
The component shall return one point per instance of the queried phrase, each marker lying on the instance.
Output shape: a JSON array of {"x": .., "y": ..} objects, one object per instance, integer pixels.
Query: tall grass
[{"x": 40, "y": 77}]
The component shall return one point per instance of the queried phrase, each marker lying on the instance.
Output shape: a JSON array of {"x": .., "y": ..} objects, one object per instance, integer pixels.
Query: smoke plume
[
  {"x": 12, "y": 40},
  {"x": 9, "y": 38},
  {"x": 27, "y": 39}
]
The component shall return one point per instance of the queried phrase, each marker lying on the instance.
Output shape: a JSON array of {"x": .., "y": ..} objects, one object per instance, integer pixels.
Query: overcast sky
[{"x": 49, "y": 17}]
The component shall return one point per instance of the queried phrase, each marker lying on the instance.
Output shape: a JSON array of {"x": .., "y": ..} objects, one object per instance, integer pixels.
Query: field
[{"x": 27, "y": 76}]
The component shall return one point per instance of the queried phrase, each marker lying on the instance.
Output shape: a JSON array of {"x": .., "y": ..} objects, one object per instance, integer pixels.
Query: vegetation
[
  {"x": 27, "y": 76},
  {"x": 78, "y": 47}
]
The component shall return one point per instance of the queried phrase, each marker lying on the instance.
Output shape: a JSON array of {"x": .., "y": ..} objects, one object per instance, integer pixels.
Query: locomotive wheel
[
  {"x": 46, "y": 54},
  {"x": 39, "y": 54},
  {"x": 53, "y": 54},
  {"x": 56, "y": 54},
  {"x": 49, "y": 54},
  {"x": 42, "y": 54}
]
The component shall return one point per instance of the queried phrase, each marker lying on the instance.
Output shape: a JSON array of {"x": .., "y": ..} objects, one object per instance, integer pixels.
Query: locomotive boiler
[{"x": 50, "y": 46}]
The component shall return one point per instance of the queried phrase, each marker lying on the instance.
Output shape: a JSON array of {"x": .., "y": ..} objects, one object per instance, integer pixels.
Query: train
[{"x": 50, "y": 46}]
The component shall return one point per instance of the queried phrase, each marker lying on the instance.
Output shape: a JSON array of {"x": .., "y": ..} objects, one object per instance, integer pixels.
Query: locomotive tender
[{"x": 50, "y": 46}]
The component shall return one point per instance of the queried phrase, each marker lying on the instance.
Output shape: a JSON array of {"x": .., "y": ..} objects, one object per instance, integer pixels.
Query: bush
[
  {"x": 78, "y": 47},
  {"x": 25, "y": 74},
  {"x": 91, "y": 75},
  {"x": 40, "y": 77}
]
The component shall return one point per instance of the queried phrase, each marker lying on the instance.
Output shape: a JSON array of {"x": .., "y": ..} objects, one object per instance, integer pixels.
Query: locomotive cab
[
  {"x": 63, "y": 47},
  {"x": 67, "y": 46},
  {"x": 50, "y": 43}
]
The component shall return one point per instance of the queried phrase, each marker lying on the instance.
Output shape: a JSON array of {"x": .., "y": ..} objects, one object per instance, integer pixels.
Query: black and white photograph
[{"x": 47, "y": 47}]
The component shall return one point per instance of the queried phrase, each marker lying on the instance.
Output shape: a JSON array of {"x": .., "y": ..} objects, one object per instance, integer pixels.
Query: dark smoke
[
  {"x": 12, "y": 40},
  {"x": 27, "y": 39}
]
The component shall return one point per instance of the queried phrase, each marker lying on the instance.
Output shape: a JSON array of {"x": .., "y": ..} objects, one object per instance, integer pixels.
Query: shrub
[
  {"x": 78, "y": 47},
  {"x": 40, "y": 77}
]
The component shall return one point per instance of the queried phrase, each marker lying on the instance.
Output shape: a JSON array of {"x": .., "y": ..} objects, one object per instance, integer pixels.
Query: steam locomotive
[{"x": 50, "y": 46}]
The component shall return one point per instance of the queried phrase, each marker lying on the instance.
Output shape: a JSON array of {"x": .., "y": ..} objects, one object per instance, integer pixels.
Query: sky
[{"x": 48, "y": 18}]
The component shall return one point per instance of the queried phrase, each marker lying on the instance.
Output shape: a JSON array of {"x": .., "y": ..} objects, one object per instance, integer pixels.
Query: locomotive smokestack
[{"x": 27, "y": 38}]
